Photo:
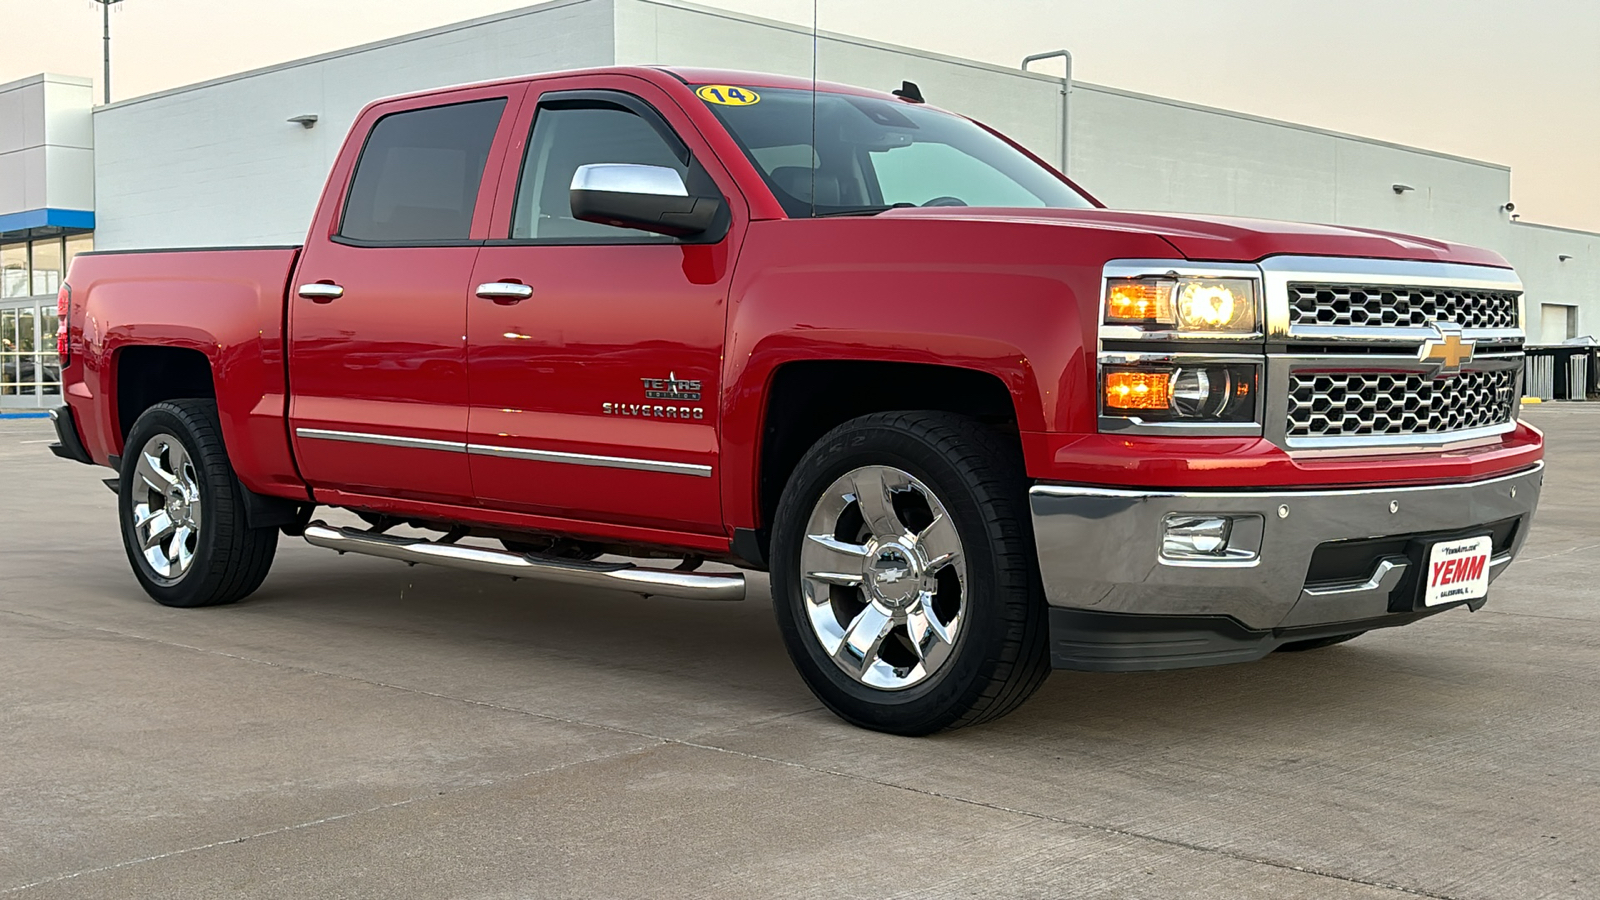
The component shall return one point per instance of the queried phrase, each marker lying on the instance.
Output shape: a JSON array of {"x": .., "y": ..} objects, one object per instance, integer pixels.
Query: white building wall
[
  {"x": 1140, "y": 152},
  {"x": 1026, "y": 106},
  {"x": 219, "y": 164},
  {"x": 1134, "y": 151},
  {"x": 1536, "y": 251},
  {"x": 46, "y": 144}
]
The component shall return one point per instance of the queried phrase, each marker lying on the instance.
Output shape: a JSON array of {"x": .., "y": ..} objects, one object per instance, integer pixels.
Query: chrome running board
[{"x": 616, "y": 576}]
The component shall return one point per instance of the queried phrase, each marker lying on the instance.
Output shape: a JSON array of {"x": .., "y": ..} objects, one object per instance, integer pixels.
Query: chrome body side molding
[
  {"x": 587, "y": 459},
  {"x": 553, "y": 456},
  {"x": 386, "y": 440}
]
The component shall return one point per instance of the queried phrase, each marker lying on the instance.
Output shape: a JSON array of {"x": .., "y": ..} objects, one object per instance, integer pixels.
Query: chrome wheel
[
  {"x": 166, "y": 507},
  {"x": 883, "y": 577}
]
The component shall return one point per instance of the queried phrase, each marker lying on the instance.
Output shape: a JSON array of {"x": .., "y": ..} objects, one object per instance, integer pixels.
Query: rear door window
[{"x": 418, "y": 177}]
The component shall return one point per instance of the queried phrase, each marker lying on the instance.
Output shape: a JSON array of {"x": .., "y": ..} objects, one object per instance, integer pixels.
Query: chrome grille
[
  {"x": 1356, "y": 404},
  {"x": 1388, "y": 305}
]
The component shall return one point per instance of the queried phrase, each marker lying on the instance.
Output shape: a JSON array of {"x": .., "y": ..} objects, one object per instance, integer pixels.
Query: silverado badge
[{"x": 669, "y": 388}]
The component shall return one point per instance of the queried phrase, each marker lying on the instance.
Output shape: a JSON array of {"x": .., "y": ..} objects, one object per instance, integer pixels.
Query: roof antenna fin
[{"x": 909, "y": 92}]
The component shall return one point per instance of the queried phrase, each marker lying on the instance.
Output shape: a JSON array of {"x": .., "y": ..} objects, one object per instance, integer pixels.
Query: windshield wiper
[{"x": 862, "y": 210}]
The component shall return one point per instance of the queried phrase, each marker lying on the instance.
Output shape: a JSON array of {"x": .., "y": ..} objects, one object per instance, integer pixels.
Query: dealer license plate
[{"x": 1457, "y": 570}]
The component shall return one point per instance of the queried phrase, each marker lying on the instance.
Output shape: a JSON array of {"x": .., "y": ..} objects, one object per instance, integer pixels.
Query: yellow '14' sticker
[{"x": 725, "y": 95}]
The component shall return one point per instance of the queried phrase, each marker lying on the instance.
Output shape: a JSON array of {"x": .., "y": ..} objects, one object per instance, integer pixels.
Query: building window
[
  {"x": 77, "y": 243},
  {"x": 31, "y": 272},
  {"x": 14, "y": 271},
  {"x": 48, "y": 266}
]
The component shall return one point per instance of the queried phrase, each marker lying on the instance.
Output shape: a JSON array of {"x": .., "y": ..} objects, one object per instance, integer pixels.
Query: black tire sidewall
[
  {"x": 940, "y": 699},
  {"x": 190, "y": 589}
]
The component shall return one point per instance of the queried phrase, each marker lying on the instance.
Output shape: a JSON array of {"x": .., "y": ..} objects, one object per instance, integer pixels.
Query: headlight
[
  {"x": 1187, "y": 305},
  {"x": 1189, "y": 393}
]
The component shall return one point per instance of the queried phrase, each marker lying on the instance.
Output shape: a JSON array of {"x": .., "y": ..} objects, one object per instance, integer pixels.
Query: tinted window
[
  {"x": 418, "y": 176},
  {"x": 862, "y": 153},
  {"x": 568, "y": 136}
]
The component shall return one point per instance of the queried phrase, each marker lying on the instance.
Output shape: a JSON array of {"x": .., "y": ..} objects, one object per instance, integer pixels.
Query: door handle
[
  {"x": 320, "y": 292},
  {"x": 505, "y": 292}
]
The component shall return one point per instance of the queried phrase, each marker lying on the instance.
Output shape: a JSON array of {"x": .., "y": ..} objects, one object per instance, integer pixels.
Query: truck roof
[{"x": 661, "y": 75}]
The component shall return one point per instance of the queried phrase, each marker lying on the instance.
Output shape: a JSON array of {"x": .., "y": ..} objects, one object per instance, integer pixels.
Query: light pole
[
  {"x": 1066, "y": 88},
  {"x": 105, "y": 10}
]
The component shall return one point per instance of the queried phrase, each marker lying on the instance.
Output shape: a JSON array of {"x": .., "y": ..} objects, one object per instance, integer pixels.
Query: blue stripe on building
[{"x": 72, "y": 219}]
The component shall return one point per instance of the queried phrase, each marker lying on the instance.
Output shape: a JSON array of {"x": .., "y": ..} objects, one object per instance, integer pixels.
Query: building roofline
[
  {"x": 1577, "y": 231},
  {"x": 46, "y": 78},
  {"x": 1298, "y": 126},
  {"x": 797, "y": 29},
  {"x": 1040, "y": 76},
  {"x": 850, "y": 39},
  {"x": 557, "y": 4},
  {"x": 350, "y": 51}
]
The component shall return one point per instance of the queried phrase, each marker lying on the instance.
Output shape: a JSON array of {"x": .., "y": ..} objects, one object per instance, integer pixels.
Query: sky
[{"x": 1515, "y": 82}]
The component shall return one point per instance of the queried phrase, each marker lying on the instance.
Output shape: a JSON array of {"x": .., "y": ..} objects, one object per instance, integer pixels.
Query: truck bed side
[{"x": 149, "y": 326}]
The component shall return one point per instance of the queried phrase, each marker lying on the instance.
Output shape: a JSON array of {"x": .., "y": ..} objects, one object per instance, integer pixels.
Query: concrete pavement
[{"x": 362, "y": 729}]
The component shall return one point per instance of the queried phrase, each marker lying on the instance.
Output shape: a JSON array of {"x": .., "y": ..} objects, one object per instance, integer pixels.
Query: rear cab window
[{"x": 419, "y": 172}]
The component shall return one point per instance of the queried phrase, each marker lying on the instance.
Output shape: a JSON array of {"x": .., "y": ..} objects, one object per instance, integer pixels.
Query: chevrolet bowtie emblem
[{"x": 1448, "y": 351}]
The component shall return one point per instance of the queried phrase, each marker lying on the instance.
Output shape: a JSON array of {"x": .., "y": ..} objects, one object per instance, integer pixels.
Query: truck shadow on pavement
[{"x": 409, "y": 621}]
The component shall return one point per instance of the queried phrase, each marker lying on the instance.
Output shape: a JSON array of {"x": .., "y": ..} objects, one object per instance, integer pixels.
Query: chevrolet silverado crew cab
[{"x": 974, "y": 424}]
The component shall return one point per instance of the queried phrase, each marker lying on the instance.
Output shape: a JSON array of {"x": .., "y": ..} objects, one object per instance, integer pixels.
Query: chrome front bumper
[{"x": 1099, "y": 550}]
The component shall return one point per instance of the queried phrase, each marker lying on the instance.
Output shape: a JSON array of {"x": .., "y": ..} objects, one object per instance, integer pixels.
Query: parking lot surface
[{"x": 358, "y": 728}]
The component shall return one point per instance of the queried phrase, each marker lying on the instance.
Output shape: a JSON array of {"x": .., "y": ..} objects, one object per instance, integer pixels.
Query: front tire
[
  {"x": 181, "y": 512},
  {"x": 903, "y": 574}
]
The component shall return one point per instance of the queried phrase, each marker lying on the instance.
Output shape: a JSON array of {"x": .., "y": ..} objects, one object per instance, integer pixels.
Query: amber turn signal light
[
  {"x": 1128, "y": 389},
  {"x": 1139, "y": 301}
]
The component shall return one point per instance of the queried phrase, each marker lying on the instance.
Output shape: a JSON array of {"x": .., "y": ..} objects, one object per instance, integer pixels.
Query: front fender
[{"x": 1017, "y": 301}]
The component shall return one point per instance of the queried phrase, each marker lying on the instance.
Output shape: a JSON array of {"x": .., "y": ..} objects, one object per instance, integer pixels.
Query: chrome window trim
[
  {"x": 1279, "y": 271},
  {"x": 1175, "y": 268},
  {"x": 553, "y": 456},
  {"x": 1110, "y": 424}
]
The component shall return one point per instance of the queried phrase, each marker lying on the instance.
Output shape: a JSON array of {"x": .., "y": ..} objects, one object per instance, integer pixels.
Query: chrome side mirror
[{"x": 647, "y": 198}]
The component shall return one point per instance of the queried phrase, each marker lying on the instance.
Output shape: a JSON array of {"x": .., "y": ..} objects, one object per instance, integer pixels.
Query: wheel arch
[
  {"x": 147, "y": 374},
  {"x": 805, "y": 399}
]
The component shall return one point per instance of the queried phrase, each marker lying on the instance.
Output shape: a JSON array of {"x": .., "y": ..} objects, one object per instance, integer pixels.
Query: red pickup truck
[{"x": 973, "y": 423}]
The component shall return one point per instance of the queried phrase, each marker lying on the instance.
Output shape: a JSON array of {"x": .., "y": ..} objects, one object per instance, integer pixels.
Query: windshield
[{"x": 873, "y": 154}]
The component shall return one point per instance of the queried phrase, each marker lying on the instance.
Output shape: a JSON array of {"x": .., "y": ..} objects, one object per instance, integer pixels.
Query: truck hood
[{"x": 1231, "y": 239}]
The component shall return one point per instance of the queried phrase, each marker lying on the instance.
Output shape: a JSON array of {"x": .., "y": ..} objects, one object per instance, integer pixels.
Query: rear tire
[
  {"x": 896, "y": 622},
  {"x": 1318, "y": 643},
  {"x": 181, "y": 511}
]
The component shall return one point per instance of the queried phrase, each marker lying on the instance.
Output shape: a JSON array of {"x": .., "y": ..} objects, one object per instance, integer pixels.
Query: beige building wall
[{"x": 217, "y": 163}]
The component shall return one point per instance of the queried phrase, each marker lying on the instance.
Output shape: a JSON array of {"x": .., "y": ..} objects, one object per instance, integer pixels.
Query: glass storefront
[{"x": 31, "y": 272}]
